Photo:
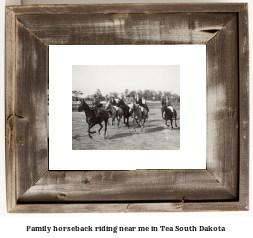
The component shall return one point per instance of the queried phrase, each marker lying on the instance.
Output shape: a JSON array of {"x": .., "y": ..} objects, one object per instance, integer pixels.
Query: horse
[
  {"x": 144, "y": 104},
  {"x": 126, "y": 113},
  {"x": 138, "y": 115},
  {"x": 114, "y": 114},
  {"x": 169, "y": 115},
  {"x": 92, "y": 120}
]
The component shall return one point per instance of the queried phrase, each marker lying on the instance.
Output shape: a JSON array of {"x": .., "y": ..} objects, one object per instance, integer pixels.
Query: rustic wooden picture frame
[{"x": 223, "y": 186}]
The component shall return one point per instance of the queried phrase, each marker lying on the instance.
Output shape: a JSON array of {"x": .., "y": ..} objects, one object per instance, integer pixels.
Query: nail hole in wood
[{"x": 61, "y": 195}]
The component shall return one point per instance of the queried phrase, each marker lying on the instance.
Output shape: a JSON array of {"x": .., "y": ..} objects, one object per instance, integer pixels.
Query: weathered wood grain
[
  {"x": 30, "y": 108},
  {"x": 223, "y": 186},
  {"x": 129, "y": 8},
  {"x": 140, "y": 185},
  {"x": 222, "y": 107},
  {"x": 244, "y": 106},
  {"x": 129, "y": 207},
  {"x": 132, "y": 29},
  {"x": 186, "y": 207},
  {"x": 9, "y": 108}
]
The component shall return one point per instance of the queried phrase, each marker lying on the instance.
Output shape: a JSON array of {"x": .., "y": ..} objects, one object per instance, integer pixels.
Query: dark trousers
[
  {"x": 98, "y": 111},
  {"x": 146, "y": 106}
]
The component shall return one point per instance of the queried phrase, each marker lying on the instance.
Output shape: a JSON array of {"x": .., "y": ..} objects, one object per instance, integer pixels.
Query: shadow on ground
[
  {"x": 77, "y": 136},
  {"x": 123, "y": 135}
]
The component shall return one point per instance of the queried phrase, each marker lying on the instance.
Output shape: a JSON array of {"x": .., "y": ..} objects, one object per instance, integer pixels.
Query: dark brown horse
[
  {"x": 114, "y": 114},
  {"x": 91, "y": 119},
  {"x": 169, "y": 115},
  {"x": 138, "y": 116},
  {"x": 126, "y": 113}
]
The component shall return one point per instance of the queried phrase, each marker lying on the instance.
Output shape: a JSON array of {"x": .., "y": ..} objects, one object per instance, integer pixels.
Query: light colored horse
[
  {"x": 169, "y": 113},
  {"x": 139, "y": 115},
  {"x": 115, "y": 112}
]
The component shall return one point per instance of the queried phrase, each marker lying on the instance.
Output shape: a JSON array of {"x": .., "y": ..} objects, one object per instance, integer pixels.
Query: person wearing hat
[
  {"x": 162, "y": 99},
  {"x": 128, "y": 101},
  {"x": 114, "y": 103},
  {"x": 121, "y": 101},
  {"x": 168, "y": 101},
  {"x": 139, "y": 102},
  {"x": 97, "y": 107}
]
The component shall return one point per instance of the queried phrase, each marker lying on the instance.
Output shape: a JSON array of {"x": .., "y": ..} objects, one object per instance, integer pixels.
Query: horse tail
[{"x": 175, "y": 114}]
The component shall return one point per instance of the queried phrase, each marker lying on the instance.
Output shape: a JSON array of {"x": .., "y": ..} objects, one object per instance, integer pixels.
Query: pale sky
[{"x": 111, "y": 78}]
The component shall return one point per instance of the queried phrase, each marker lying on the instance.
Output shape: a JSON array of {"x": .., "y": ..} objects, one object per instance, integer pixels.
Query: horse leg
[
  {"x": 106, "y": 121},
  {"x": 134, "y": 124},
  {"x": 137, "y": 122},
  {"x": 113, "y": 118},
  {"x": 127, "y": 121},
  {"x": 114, "y": 115},
  {"x": 142, "y": 123},
  {"x": 119, "y": 119},
  {"x": 101, "y": 126},
  {"x": 91, "y": 132},
  {"x": 171, "y": 122},
  {"x": 175, "y": 120}
]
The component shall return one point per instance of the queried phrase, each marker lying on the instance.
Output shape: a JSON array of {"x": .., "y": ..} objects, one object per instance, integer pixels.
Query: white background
[
  {"x": 192, "y": 153},
  {"x": 238, "y": 224}
]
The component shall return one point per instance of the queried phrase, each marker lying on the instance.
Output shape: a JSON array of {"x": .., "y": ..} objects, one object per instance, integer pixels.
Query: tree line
[{"x": 148, "y": 94}]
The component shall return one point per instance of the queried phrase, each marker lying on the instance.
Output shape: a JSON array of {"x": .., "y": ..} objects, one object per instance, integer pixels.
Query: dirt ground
[{"x": 155, "y": 135}]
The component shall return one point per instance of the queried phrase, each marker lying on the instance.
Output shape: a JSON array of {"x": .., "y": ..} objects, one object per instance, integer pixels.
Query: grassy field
[{"x": 155, "y": 135}]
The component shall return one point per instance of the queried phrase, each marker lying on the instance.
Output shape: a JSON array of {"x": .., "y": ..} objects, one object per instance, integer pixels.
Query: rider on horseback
[
  {"x": 162, "y": 99},
  {"x": 139, "y": 102},
  {"x": 129, "y": 99},
  {"x": 97, "y": 107},
  {"x": 114, "y": 103},
  {"x": 168, "y": 103}
]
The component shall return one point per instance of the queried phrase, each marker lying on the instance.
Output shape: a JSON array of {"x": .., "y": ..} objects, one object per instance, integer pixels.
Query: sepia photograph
[{"x": 126, "y": 107}]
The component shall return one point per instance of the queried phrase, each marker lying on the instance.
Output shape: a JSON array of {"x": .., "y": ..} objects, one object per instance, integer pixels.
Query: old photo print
[{"x": 125, "y": 107}]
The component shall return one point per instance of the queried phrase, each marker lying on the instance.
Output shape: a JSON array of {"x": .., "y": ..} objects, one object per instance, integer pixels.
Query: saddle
[
  {"x": 171, "y": 108},
  {"x": 98, "y": 111},
  {"x": 116, "y": 108},
  {"x": 141, "y": 108}
]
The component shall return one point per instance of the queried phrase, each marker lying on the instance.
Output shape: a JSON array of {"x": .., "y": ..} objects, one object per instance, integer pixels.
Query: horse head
[
  {"x": 80, "y": 108},
  {"x": 83, "y": 106},
  {"x": 108, "y": 106}
]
